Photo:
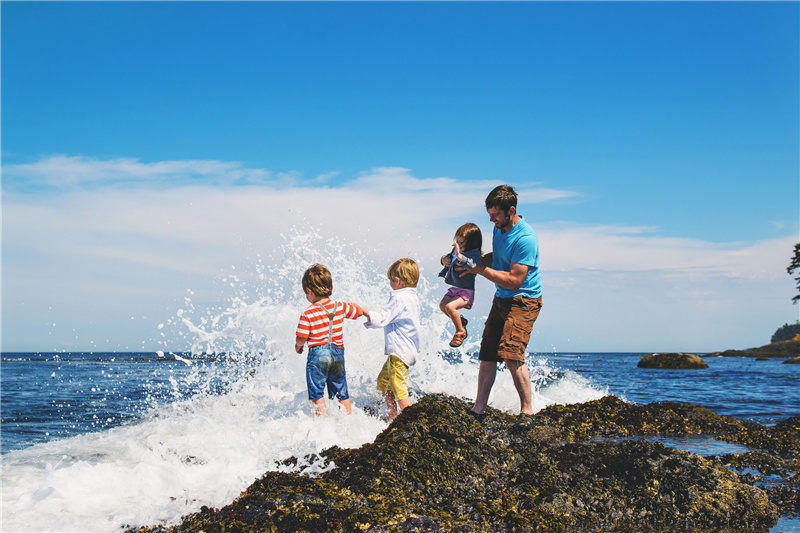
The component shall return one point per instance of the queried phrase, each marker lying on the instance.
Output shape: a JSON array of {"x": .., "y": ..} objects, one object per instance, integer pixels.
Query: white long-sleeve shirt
[{"x": 399, "y": 319}]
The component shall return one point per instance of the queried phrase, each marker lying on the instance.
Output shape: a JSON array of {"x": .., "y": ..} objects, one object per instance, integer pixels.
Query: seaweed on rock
[{"x": 438, "y": 469}]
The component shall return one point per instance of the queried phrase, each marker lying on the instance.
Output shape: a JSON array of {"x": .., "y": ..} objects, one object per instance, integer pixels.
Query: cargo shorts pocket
[{"x": 517, "y": 328}]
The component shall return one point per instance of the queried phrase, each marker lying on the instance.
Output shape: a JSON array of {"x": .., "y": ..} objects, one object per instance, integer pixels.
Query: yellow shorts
[{"x": 393, "y": 377}]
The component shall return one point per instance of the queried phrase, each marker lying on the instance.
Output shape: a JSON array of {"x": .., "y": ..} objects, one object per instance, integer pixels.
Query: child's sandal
[{"x": 458, "y": 339}]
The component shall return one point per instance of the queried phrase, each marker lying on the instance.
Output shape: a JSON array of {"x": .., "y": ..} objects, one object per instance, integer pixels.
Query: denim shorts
[{"x": 325, "y": 365}]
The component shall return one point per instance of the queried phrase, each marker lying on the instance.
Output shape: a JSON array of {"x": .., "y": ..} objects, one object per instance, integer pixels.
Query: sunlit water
[{"x": 95, "y": 442}]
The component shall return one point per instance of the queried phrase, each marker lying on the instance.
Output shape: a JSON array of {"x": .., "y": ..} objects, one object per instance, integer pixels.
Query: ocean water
[{"x": 100, "y": 441}]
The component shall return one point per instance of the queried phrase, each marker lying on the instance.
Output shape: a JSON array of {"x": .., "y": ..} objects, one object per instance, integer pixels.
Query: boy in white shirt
[{"x": 399, "y": 319}]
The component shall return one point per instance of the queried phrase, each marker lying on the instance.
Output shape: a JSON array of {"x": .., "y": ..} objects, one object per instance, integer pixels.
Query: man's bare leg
[
  {"x": 522, "y": 382},
  {"x": 486, "y": 375}
]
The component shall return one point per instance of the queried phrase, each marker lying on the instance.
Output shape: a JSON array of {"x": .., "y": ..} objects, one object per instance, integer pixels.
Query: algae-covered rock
[
  {"x": 672, "y": 360},
  {"x": 568, "y": 468}
]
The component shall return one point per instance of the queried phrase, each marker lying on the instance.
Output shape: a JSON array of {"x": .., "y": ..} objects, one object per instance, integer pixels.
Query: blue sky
[{"x": 655, "y": 146}]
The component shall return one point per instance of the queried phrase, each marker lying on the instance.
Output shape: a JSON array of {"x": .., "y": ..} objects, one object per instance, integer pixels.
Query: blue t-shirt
[{"x": 520, "y": 245}]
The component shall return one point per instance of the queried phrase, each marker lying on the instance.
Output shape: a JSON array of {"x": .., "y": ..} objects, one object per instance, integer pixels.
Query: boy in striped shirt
[{"x": 321, "y": 326}]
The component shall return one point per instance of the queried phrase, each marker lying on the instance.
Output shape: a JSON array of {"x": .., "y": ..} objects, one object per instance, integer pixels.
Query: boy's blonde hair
[
  {"x": 406, "y": 270},
  {"x": 472, "y": 236},
  {"x": 317, "y": 279}
]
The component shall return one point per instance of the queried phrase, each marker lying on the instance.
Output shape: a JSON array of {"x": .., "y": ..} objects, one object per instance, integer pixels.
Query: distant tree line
[
  {"x": 795, "y": 265},
  {"x": 786, "y": 332}
]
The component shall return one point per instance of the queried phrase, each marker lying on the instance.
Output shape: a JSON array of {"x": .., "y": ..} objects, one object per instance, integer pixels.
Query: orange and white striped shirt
[{"x": 314, "y": 323}]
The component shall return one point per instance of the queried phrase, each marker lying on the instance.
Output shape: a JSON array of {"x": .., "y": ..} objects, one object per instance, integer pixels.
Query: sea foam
[{"x": 233, "y": 418}]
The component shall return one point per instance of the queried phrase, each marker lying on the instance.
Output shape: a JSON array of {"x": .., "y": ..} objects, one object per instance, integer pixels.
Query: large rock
[
  {"x": 672, "y": 360},
  {"x": 792, "y": 361},
  {"x": 568, "y": 468},
  {"x": 790, "y": 348}
]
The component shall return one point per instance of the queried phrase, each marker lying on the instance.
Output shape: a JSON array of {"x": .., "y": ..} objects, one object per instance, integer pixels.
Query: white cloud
[
  {"x": 326, "y": 177},
  {"x": 632, "y": 249},
  {"x": 91, "y": 252},
  {"x": 70, "y": 172},
  {"x": 400, "y": 181}
]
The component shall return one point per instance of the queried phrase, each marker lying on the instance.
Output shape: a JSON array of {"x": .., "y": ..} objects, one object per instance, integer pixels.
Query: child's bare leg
[
  {"x": 346, "y": 404},
  {"x": 405, "y": 402},
  {"x": 444, "y": 306},
  {"x": 451, "y": 310},
  {"x": 391, "y": 405},
  {"x": 320, "y": 408}
]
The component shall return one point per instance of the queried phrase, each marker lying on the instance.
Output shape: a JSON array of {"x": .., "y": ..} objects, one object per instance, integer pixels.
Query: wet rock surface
[
  {"x": 583, "y": 467},
  {"x": 672, "y": 360}
]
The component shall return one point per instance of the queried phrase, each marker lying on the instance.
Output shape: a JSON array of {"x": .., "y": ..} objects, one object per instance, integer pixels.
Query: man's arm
[{"x": 510, "y": 280}]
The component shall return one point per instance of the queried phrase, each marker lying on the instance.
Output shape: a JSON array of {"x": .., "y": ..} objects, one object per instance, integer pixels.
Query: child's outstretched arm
[
  {"x": 360, "y": 311},
  {"x": 385, "y": 316}
]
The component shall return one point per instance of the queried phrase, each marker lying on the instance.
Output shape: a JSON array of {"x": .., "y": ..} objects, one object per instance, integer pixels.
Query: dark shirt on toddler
[{"x": 453, "y": 277}]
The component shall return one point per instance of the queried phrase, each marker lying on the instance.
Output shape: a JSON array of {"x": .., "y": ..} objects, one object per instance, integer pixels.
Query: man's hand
[
  {"x": 509, "y": 279},
  {"x": 483, "y": 264}
]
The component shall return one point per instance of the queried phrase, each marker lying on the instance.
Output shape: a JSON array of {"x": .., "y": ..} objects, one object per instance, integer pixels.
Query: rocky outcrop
[
  {"x": 567, "y": 468},
  {"x": 790, "y": 348},
  {"x": 792, "y": 361},
  {"x": 672, "y": 360}
]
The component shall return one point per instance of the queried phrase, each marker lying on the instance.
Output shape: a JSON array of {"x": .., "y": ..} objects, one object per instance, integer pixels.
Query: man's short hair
[
  {"x": 406, "y": 270},
  {"x": 317, "y": 279},
  {"x": 502, "y": 197}
]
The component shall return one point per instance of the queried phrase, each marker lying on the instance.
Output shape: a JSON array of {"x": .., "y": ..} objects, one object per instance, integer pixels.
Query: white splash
[{"x": 232, "y": 421}]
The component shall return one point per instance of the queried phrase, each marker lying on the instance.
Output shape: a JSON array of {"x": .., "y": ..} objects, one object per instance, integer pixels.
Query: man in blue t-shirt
[{"x": 513, "y": 266}]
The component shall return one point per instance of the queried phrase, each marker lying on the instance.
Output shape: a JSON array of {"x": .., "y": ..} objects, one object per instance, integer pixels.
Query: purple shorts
[{"x": 457, "y": 292}]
